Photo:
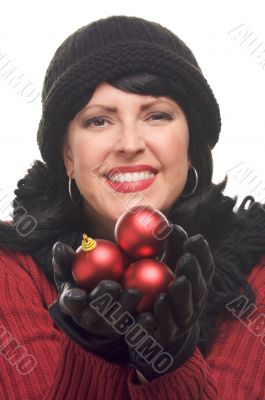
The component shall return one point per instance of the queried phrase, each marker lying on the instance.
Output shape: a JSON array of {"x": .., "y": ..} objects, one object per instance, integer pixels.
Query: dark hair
[{"x": 42, "y": 198}]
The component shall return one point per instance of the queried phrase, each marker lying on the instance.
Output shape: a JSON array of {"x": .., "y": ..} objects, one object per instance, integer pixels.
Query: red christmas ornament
[
  {"x": 141, "y": 232},
  {"x": 151, "y": 277},
  {"x": 95, "y": 261}
]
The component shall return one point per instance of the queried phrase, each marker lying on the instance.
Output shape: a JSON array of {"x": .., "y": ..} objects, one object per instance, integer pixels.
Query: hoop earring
[
  {"x": 70, "y": 193},
  {"x": 196, "y": 183}
]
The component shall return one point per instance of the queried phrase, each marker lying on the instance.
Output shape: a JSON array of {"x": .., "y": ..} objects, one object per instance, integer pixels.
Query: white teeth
[{"x": 131, "y": 176}]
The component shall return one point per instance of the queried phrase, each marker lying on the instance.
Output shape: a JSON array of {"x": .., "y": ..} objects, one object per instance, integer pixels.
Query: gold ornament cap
[{"x": 88, "y": 244}]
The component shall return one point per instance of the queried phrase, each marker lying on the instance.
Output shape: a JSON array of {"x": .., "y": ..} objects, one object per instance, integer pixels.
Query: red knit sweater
[{"x": 38, "y": 361}]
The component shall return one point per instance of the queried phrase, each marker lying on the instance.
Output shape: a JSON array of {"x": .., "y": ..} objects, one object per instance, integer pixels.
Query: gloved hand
[
  {"x": 174, "y": 323},
  {"x": 72, "y": 311}
]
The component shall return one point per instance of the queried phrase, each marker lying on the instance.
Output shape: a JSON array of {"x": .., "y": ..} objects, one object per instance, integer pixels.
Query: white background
[{"x": 230, "y": 57}]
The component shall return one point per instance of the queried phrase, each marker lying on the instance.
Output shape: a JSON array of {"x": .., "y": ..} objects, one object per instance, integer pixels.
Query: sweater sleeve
[
  {"x": 237, "y": 357},
  {"x": 235, "y": 366},
  {"x": 37, "y": 361},
  {"x": 193, "y": 380}
]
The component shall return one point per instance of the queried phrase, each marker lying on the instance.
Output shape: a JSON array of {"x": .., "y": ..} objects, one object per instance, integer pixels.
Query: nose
[{"x": 130, "y": 140}]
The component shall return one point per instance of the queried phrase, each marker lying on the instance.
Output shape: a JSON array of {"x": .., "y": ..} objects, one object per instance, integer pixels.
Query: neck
[{"x": 99, "y": 227}]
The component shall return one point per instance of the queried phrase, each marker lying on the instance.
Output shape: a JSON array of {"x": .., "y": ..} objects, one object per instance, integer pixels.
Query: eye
[
  {"x": 95, "y": 122},
  {"x": 160, "y": 116}
]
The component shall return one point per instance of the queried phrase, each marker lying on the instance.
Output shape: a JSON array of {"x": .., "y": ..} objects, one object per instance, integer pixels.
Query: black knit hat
[{"x": 109, "y": 48}]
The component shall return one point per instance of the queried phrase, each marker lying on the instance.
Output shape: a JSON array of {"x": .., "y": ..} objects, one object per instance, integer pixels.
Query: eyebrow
[{"x": 115, "y": 110}]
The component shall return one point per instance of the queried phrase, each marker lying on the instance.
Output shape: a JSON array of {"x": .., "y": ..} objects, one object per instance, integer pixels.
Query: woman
[{"x": 122, "y": 96}]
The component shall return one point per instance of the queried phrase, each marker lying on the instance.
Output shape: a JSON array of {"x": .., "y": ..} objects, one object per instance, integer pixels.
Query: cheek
[
  {"x": 87, "y": 156},
  {"x": 175, "y": 149}
]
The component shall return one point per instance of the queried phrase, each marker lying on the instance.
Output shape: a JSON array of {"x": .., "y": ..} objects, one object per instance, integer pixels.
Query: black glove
[
  {"x": 74, "y": 315},
  {"x": 174, "y": 322}
]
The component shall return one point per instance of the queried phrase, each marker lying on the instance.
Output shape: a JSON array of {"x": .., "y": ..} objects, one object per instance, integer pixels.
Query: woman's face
[{"x": 117, "y": 132}]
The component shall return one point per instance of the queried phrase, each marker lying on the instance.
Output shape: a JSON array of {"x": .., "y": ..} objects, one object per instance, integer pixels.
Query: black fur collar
[{"x": 238, "y": 235}]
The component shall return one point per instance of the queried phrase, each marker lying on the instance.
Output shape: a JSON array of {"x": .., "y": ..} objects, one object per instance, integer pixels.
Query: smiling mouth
[
  {"x": 131, "y": 176},
  {"x": 128, "y": 183}
]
